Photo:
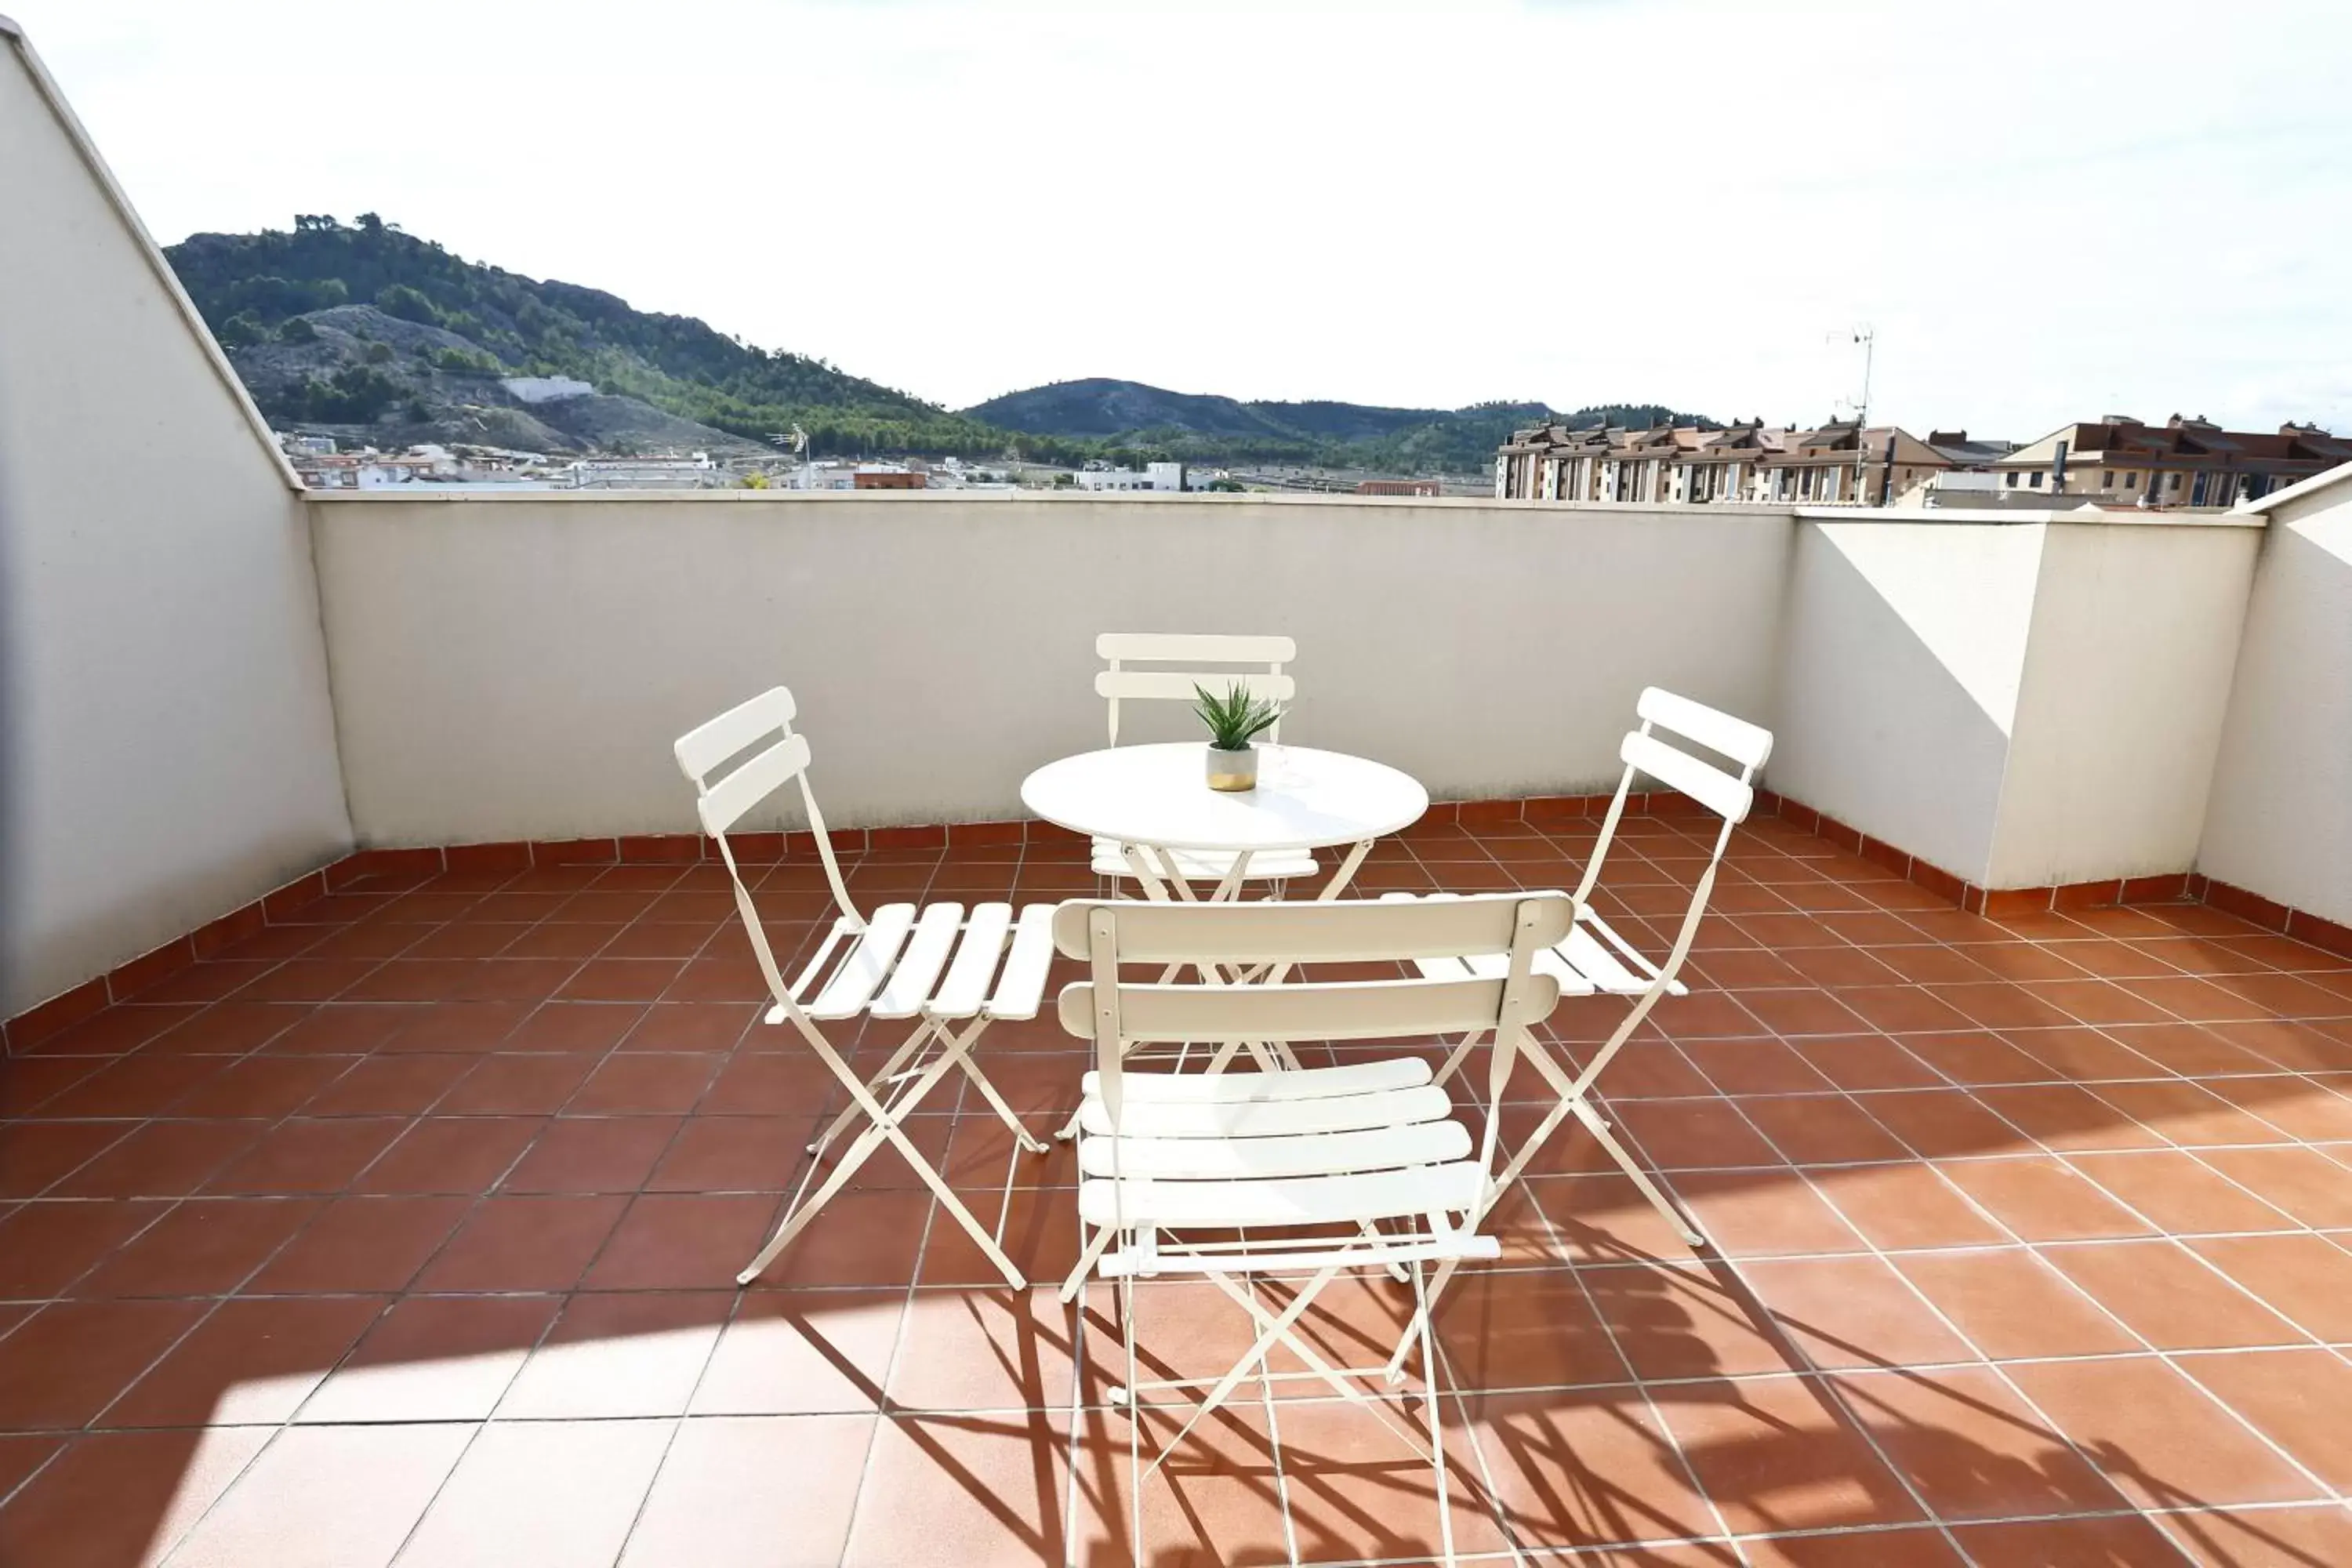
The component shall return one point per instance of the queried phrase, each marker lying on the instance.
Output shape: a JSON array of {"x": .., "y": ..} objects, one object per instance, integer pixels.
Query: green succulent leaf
[{"x": 1236, "y": 718}]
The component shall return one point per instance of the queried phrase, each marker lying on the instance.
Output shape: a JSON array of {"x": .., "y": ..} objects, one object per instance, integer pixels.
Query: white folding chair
[
  {"x": 1317, "y": 1170},
  {"x": 1260, "y": 659},
  {"x": 1594, "y": 958},
  {"x": 954, "y": 970}
]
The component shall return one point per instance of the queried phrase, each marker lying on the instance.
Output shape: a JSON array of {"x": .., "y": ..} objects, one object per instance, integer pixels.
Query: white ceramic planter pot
[{"x": 1232, "y": 771}]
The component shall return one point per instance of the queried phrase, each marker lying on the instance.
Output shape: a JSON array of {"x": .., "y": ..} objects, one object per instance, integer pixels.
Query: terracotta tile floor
[{"x": 405, "y": 1232}]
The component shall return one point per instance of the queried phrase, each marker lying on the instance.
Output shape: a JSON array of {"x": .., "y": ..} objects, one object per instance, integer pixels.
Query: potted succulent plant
[{"x": 1235, "y": 721}]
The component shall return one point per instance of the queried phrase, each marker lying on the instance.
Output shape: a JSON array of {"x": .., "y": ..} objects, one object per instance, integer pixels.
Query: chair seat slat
[
  {"x": 919, "y": 966},
  {"x": 960, "y": 995},
  {"x": 1284, "y": 1201},
  {"x": 861, "y": 975},
  {"x": 1301, "y": 1154},
  {"x": 1021, "y": 987},
  {"x": 1271, "y": 1118}
]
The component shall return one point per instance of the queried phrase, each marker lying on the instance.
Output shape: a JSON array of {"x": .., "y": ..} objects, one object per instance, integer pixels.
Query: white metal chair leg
[{"x": 1429, "y": 1394}]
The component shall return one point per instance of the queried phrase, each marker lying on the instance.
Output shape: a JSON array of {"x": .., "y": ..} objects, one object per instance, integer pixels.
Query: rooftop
[
  {"x": 413, "y": 1219},
  {"x": 383, "y": 1115}
]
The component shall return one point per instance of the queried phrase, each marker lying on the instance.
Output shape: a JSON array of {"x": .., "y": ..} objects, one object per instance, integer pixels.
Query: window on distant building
[
  {"x": 2175, "y": 484},
  {"x": 2037, "y": 479},
  {"x": 2106, "y": 478},
  {"x": 2131, "y": 480},
  {"x": 2013, "y": 481}
]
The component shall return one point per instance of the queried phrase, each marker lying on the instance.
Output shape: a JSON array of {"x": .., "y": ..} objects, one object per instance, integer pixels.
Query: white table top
[{"x": 1304, "y": 799}]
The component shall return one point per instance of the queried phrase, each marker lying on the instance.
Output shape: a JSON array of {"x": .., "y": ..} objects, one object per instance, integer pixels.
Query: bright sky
[{"x": 2048, "y": 210}]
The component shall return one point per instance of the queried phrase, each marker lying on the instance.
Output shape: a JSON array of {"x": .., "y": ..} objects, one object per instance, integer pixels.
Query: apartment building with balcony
[
  {"x": 1832, "y": 465},
  {"x": 2183, "y": 462}
]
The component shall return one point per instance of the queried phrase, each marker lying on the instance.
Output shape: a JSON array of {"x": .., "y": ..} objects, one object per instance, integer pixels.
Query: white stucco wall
[
  {"x": 1902, "y": 652},
  {"x": 2280, "y": 819},
  {"x": 2127, "y": 678},
  {"x": 169, "y": 745},
  {"x": 517, "y": 667}
]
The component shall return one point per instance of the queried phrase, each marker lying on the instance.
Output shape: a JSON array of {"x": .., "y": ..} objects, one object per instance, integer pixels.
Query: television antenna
[{"x": 1866, "y": 337}]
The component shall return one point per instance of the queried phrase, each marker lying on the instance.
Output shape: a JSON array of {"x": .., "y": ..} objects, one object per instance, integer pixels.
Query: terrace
[{"x": 385, "y": 1113}]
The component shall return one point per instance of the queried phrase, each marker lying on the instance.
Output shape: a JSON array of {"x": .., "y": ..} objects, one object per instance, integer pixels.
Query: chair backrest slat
[
  {"x": 1168, "y": 648},
  {"x": 1260, "y": 659},
  {"x": 1348, "y": 1010},
  {"x": 1349, "y": 932},
  {"x": 1750, "y": 745},
  {"x": 1177, "y": 686},
  {"x": 1717, "y": 791},
  {"x": 703, "y": 748},
  {"x": 723, "y": 803}
]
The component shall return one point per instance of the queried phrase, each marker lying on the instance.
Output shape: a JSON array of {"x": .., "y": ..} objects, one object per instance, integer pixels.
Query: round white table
[{"x": 1152, "y": 800}]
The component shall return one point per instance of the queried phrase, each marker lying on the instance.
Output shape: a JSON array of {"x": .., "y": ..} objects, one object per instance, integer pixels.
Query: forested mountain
[
  {"x": 1346, "y": 435},
  {"x": 264, "y": 294},
  {"x": 374, "y": 332}
]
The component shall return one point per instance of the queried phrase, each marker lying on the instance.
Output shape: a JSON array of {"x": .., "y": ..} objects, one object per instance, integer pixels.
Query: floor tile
[
  {"x": 308, "y": 1154},
  {"x": 2071, "y": 1543},
  {"x": 1908, "y": 1205},
  {"x": 434, "y": 1358},
  {"x": 48, "y": 1245},
  {"x": 754, "y": 1492},
  {"x": 251, "y": 1363},
  {"x": 989, "y": 1350},
  {"x": 592, "y": 1154},
  {"x": 1760, "y": 1214},
  {"x": 976, "y": 1493},
  {"x": 1916, "y": 1547},
  {"x": 1853, "y": 1312},
  {"x": 117, "y": 1499},
  {"x": 1970, "y": 1447},
  {"x": 327, "y": 1497},
  {"x": 541, "y": 1495},
  {"x": 628, "y": 1354},
  {"x": 1821, "y": 1129},
  {"x": 1584, "y": 1468},
  {"x": 2163, "y": 1293},
  {"x": 1782, "y": 1453},
  {"x": 2157, "y": 1436},
  {"x": 2306, "y": 1185},
  {"x": 2305, "y": 1279},
  {"x": 2041, "y": 1199},
  {"x": 459, "y": 1154},
  {"x": 362, "y": 1244},
  {"x": 802, "y": 1352},
  {"x": 2009, "y": 1303},
  {"x": 69, "y": 1360},
  {"x": 1687, "y": 1321},
  {"x": 2181, "y": 1195},
  {"x": 203, "y": 1247},
  {"x": 35, "y": 1154},
  {"x": 2265, "y": 1538},
  {"x": 2297, "y": 1398},
  {"x": 645, "y": 1081},
  {"x": 678, "y": 1241},
  {"x": 524, "y": 1243}
]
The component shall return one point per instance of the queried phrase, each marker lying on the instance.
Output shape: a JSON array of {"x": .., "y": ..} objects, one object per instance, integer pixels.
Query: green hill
[
  {"x": 368, "y": 332},
  {"x": 1340, "y": 434},
  {"x": 281, "y": 302}
]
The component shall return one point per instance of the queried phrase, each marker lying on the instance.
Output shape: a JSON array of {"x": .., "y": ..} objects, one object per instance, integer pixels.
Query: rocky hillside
[{"x": 365, "y": 329}]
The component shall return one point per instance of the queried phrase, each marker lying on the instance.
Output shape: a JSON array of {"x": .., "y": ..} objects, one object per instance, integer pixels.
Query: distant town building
[
  {"x": 2120, "y": 462},
  {"x": 888, "y": 479},
  {"x": 1153, "y": 476},
  {"x": 694, "y": 473},
  {"x": 1400, "y": 488},
  {"x": 1838, "y": 464}
]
